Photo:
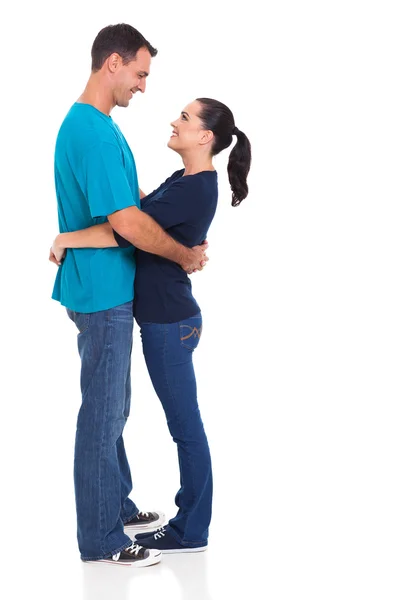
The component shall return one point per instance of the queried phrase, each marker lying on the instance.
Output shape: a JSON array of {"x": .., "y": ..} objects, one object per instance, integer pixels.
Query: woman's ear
[{"x": 206, "y": 136}]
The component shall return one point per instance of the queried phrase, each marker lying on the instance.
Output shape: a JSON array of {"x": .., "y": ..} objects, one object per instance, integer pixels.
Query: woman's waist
[{"x": 158, "y": 303}]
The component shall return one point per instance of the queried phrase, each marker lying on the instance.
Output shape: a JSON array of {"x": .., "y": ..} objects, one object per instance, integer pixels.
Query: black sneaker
[
  {"x": 133, "y": 556},
  {"x": 146, "y": 534},
  {"x": 145, "y": 521}
]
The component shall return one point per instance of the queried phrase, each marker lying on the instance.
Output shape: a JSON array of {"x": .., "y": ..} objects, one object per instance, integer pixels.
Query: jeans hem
[
  {"x": 185, "y": 544},
  {"x": 132, "y": 517},
  {"x": 108, "y": 554}
]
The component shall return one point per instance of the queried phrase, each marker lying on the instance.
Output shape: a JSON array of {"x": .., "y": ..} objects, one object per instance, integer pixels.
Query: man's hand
[
  {"x": 57, "y": 253},
  {"x": 196, "y": 259}
]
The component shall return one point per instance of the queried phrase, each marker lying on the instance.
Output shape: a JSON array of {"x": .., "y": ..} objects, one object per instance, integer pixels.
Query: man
[{"x": 96, "y": 180}]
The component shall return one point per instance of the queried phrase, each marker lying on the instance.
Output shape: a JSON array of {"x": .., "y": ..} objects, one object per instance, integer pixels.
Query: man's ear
[{"x": 113, "y": 62}]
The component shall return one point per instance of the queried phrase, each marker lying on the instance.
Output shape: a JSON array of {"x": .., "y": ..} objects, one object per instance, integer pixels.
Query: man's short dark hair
[{"x": 123, "y": 39}]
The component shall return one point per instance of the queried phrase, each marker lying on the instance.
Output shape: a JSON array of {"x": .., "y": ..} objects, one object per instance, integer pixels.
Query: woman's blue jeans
[{"x": 168, "y": 351}]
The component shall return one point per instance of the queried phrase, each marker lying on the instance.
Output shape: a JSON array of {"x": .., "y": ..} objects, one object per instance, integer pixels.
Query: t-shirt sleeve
[
  {"x": 181, "y": 202},
  {"x": 145, "y": 201},
  {"x": 121, "y": 241},
  {"x": 106, "y": 185}
]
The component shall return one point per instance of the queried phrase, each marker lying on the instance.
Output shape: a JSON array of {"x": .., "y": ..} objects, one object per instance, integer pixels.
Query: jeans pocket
[
  {"x": 81, "y": 320},
  {"x": 190, "y": 332}
]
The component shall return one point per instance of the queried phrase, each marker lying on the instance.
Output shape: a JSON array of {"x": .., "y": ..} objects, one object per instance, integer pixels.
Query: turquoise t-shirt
[{"x": 95, "y": 175}]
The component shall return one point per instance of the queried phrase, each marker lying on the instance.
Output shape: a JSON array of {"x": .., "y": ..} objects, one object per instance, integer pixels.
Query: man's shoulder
[{"x": 85, "y": 129}]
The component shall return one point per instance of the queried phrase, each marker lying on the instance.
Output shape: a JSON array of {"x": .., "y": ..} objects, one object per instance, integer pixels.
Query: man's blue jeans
[
  {"x": 101, "y": 470},
  {"x": 168, "y": 350}
]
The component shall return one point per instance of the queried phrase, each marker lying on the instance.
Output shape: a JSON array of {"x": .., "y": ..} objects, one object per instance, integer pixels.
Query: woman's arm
[{"x": 97, "y": 236}]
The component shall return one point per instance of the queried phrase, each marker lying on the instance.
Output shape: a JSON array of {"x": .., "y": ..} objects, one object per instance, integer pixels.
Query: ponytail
[{"x": 238, "y": 167}]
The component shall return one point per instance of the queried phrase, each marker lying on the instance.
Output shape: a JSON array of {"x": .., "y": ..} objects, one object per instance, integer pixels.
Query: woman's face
[{"x": 188, "y": 132}]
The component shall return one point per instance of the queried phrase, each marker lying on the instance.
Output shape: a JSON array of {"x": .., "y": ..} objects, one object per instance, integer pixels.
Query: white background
[{"x": 298, "y": 365}]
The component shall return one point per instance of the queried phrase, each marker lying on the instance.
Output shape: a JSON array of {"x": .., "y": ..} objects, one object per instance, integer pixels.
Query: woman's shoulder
[
  {"x": 201, "y": 188},
  {"x": 204, "y": 179},
  {"x": 204, "y": 185},
  {"x": 176, "y": 175}
]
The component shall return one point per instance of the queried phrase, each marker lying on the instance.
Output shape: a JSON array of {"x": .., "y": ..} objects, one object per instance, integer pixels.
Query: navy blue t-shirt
[{"x": 184, "y": 206}]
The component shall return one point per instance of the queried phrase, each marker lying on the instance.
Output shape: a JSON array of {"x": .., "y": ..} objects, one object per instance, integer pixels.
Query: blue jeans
[
  {"x": 101, "y": 470},
  {"x": 168, "y": 350}
]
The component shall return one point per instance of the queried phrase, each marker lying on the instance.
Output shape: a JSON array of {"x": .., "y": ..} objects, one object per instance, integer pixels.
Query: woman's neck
[{"x": 197, "y": 164}]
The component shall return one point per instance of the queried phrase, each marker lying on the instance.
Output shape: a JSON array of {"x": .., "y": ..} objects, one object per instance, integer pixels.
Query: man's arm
[
  {"x": 109, "y": 194},
  {"x": 144, "y": 233}
]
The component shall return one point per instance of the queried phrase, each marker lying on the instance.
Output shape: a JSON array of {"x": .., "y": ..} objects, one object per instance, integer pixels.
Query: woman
[{"x": 165, "y": 309}]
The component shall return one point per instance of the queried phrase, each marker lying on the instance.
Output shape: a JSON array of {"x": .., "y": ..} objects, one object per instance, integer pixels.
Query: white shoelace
[
  {"x": 160, "y": 533},
  {"x": 133, "y": 549},
  {"x": 144, "y": 514}
]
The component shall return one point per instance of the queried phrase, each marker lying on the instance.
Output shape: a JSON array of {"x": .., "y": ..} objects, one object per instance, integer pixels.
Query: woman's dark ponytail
[
  {"x": 218, "y": 118},
  {"x": 239, "y": 167}
]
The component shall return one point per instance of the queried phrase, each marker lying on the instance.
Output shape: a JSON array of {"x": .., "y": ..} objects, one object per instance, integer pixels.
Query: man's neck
[{"x": 97, "y": 95}]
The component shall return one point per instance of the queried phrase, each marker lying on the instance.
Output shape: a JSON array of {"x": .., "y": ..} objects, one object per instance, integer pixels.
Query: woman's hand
[{"x": 57, "y": 252}]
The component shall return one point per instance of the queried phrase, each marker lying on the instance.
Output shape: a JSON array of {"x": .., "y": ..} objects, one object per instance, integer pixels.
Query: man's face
[{"x": 131, "y": 78}]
